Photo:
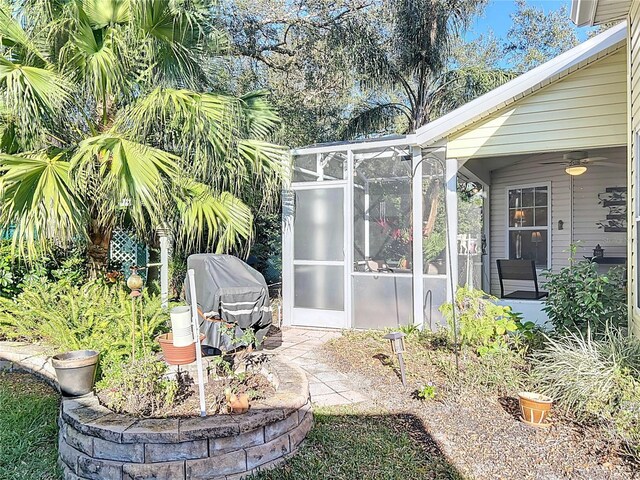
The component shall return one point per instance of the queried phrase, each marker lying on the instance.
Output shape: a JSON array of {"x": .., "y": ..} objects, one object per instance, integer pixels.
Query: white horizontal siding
[
  {"x": 610, "y": 10},
  {"x": 579, "y": 227},
  {"x": 586, "y": 109},
  {"x": 634, "y": 100}
]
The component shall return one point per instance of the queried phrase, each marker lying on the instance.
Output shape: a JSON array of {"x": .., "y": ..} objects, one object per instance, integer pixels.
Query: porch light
[
  {"x": 575, "y": 169},
  {"x": 397, "y": 347}
]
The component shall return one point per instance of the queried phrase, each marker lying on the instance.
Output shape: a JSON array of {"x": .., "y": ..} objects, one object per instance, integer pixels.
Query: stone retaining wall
[{"x": 95, "y": 443}]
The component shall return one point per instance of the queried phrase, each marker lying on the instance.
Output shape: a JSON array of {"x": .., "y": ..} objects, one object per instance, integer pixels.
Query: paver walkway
[{"x": 300, "y": 346}]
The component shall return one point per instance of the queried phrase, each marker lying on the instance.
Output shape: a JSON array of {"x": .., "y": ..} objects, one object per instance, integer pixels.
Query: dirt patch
[{"x": 476, "y": 429}]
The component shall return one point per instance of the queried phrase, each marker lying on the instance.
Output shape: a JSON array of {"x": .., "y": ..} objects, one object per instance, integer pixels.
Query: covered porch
[{"x": 380, "y": 233}]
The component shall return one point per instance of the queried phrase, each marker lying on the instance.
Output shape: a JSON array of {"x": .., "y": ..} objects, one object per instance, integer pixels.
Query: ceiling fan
[{"x": 577, "y": 161}]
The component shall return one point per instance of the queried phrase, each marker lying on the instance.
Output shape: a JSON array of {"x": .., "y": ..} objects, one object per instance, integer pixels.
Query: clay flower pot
[
  {"x": 176, "y": 355},
  {"x": 238, "y": 403},
  {"x": 76, "y": 371},
  {"x": 535, "y": 408}
]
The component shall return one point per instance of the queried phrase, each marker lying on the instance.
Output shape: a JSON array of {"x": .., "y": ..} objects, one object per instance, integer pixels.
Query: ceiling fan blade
[
  {"x": 593, "y": 159},
  {"x": 606, "y": 164},
  {"x": 557, "y": 162}
]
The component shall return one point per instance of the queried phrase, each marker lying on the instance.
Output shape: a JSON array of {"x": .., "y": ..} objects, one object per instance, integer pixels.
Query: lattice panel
[{"x": 128, "y": 251}]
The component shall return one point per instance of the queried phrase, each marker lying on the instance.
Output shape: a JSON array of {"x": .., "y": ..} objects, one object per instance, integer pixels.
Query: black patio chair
[{"x": 519, "y": 270}]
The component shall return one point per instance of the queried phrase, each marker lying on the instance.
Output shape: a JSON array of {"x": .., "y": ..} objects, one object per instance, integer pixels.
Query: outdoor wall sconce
[
  {"x": 397, "y": 347},
  {"x": 560, "y": 225}
]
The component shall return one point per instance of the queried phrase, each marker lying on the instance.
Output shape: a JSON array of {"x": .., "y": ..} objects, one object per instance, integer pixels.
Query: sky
[{"x": 497, "y": 17}]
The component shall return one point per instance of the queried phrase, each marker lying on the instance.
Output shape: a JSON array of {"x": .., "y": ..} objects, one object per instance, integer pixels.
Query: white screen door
[{"x": 319, "y": 245}]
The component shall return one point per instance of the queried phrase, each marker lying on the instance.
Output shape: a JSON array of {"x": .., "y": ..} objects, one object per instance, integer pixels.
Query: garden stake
[
  {"x": 397, "y": 347},
  {"x": 195, "y": 323}
]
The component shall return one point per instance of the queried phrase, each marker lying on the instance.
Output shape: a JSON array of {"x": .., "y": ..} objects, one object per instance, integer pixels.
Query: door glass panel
[
  {"x": 319, "y": 225},
  {"x": 319, "y": 287}
]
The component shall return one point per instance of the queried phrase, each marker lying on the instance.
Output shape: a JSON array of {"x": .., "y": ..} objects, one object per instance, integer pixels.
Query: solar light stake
[{"x": 397, "y": 347}]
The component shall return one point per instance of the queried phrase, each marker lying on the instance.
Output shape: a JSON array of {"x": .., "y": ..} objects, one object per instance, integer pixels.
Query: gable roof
[{"x": 524, "y": 85}]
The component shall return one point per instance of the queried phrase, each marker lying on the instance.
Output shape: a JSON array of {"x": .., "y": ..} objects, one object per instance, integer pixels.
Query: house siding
[
  {"x": 587, "y": 109},
  {"x": 582, "y": 206},
  {"x": 634, "y": 108}
]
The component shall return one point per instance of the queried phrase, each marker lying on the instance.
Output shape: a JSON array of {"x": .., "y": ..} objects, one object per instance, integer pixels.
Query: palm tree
[
  {"x": 108, "y": 117},
  {"x": 400, "y": 53}
]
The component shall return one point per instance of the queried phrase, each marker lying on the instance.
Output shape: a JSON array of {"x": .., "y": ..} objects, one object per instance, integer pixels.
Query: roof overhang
[
  {"x": 596, "y": 12},
  {"x": 526, "y": 84},
  {"x": 583, "y": 12}
]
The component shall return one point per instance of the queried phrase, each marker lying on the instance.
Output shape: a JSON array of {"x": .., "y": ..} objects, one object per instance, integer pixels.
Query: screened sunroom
[{"x": 365, "y": 241}]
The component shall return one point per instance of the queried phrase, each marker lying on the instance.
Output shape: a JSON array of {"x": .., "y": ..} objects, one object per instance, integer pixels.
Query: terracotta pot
[
  {"x": 535, "y": 408},
  {"x": 238, "y": 403},
  {"x": 76, "y": 371},
  {"x": 176, "y": 355}
]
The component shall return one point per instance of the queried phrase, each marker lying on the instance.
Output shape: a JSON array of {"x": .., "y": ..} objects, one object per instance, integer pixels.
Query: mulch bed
[{"x": 478, "y": 432}]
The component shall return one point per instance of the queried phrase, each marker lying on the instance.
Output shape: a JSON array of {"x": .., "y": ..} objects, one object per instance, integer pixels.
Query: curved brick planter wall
[{"x": 95, "y": 443}]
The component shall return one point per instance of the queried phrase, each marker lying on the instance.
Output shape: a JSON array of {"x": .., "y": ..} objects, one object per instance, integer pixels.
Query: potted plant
[
  {"x": 76, "y": 371},
  {"x": 535, "y": 408},
  {"x": 177, "y": 355}
]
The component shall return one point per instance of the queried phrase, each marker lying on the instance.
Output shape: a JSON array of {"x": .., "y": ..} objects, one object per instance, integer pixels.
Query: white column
[
  {"x": 451, "y": 200},
  {"x": 367, "y": 248},
  {"x": 163, "y": 236},
  {"x": 417, "y": 258}
]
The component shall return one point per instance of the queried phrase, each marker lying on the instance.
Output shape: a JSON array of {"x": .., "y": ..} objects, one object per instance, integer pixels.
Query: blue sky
[{"x": 497, "y": 17}]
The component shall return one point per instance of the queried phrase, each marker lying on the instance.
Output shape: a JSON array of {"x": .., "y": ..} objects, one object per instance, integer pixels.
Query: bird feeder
[{"x": 397, "y": 347}]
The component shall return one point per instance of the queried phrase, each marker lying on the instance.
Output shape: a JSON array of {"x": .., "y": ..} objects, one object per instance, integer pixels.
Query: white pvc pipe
[{"x": 196, "y": 335}]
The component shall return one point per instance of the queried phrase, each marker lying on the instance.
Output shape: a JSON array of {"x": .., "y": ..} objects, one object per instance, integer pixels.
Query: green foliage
[
  {"x": 594, "y": 379},
  {"x": 92, "y": 316},
  {"x": 137, "y": 387},
  {"x": 537, "y": 36},
  {"x": 59, "y": 264},
  {"x": 580, "y": 298},
  {"x": 427, "y": 392},
  {"x": 112, "y": 116},
  {"x": 481, "y": 323}
]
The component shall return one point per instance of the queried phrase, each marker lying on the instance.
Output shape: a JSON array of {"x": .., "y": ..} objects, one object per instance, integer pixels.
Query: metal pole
[
  {"x": 164, "y": 268},
  {"x": 196, "y": 335}
]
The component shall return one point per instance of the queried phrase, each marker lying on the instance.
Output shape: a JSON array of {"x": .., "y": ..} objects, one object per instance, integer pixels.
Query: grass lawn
[
  {"x": 344, "y": 443},
  {"x": 347, "y": 444},
  {"x": 28, "y": 430}
]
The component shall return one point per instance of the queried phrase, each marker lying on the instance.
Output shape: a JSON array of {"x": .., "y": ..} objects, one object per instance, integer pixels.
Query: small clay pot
[
  {"x": 535, "y": 408},
  {"x": 238, "y": 403},
  {"x": 176, "y": 355}
]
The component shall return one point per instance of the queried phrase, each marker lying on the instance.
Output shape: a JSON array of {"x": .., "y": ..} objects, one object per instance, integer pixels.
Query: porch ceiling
[{"x": 483, "y": 167}]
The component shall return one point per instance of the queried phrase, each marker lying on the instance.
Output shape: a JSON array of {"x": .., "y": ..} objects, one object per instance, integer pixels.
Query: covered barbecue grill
[{"x": 229, "y": 289}]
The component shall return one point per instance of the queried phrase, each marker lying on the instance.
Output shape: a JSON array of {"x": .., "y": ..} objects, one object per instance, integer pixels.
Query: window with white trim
[{"x": 529, "y": 223}]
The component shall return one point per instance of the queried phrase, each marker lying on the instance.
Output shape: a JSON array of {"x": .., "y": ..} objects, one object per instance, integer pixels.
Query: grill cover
[{"x": 228, "y": 288}]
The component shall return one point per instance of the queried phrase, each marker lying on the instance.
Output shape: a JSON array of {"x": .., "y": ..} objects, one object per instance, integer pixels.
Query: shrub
[
  {"x": 481, "y": 323},
  {"x": 92, "y": 316},
  {"x": 137, "y": 387},
  {"x": 580, "y": 298},
  {"x": 60, "y": 264},
  {"x": 594, "y": 379}
]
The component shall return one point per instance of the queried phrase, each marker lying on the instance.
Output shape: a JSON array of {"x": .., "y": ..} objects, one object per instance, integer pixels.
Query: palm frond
[
  {"x": 210, "y": 221},
  {"x": 39, "y": 201},
  {"x": 374, "y": 119},
  {"x": 32, "y": 94},
  {"x": 93, "y": 59},
  {"x": 132, "y": 177},
  {"x": 260, "y": 116}
]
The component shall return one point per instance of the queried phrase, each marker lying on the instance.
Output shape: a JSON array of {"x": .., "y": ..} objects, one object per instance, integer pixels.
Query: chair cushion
[{"x": 525, "y": 295}]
